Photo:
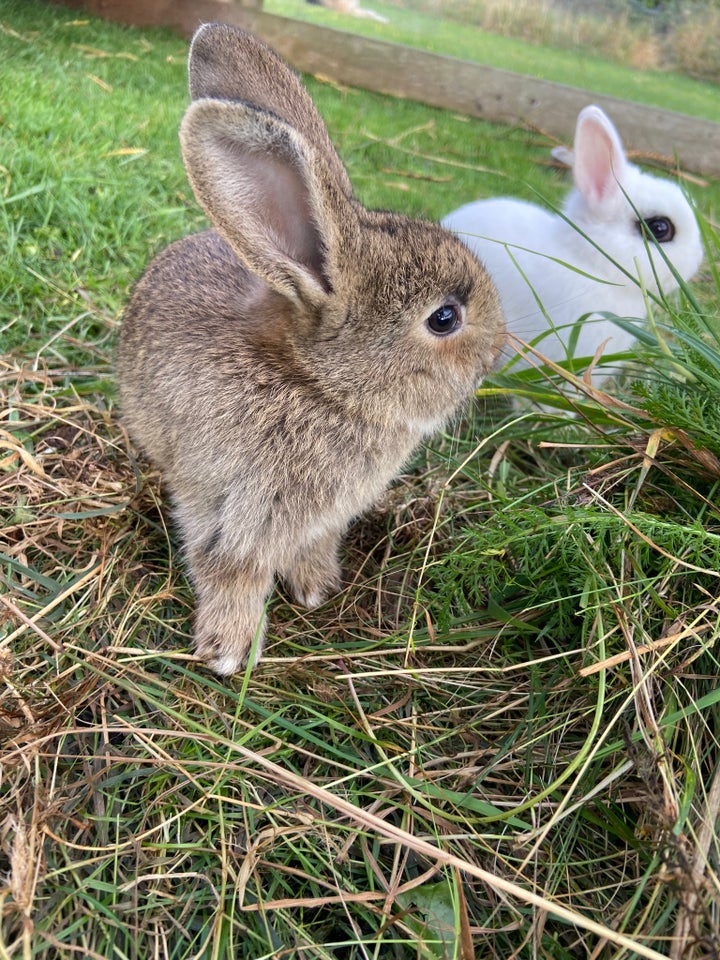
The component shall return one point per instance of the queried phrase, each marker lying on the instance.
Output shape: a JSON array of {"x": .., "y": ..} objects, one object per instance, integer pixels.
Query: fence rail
[{"x": 440, "y": 81}]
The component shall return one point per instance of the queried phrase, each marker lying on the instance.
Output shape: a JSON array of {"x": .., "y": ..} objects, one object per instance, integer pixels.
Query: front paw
[
  {"x": 313, "y": 593},
  {"x": 227, "y": 658},
  {"x": 311, "y": 585},
  {"x": 315, "y": 574},
  {"x": 230, "y": 615},
  {"x": 227, "y": 648}
]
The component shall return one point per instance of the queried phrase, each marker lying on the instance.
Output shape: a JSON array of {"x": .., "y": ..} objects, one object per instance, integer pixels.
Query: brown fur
[{"x": 278, "y": 369}]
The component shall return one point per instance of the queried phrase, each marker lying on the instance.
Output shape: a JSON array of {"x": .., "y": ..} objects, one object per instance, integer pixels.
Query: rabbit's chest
[{"x": 334, "y": 469}]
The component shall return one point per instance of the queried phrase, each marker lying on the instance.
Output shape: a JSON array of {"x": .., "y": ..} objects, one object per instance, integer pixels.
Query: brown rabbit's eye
[
  {"x": 444, "y": 320},
  {"x": 660, "y": 227}
]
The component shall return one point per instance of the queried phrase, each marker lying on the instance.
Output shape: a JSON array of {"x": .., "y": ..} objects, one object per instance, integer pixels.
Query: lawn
[
  {"x": 668, "y": 90},
  {"x": 501, "y": 739}
]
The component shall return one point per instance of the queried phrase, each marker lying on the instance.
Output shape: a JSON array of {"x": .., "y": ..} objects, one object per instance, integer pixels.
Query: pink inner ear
[
  {"x": 283, "y": 204},
  {"x": 599, "y": 162},
  {"x": 254, "y": 177}
]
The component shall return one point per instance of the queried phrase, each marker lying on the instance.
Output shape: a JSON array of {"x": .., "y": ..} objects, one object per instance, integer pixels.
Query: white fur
[{"x": 608, "y": 192}]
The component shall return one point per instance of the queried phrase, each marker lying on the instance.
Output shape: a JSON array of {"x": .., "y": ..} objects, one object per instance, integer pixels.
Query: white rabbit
[{"x": 613, "y": 214}]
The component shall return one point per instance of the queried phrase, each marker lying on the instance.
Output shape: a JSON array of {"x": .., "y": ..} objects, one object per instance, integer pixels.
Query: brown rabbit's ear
[
  {"x": 226, "y": 63},
  {"x": 268, "y": 194}
]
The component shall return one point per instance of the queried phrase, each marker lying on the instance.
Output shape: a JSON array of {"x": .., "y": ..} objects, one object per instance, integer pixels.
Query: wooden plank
[
  {"x": 459, "y": 85},
  {"x": 183, "y": 16}
]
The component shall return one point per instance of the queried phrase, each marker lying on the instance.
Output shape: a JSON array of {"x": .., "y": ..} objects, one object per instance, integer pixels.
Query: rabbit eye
[
  {"x": 444, "y": 320},
  {"x": 660, "y": 227}
]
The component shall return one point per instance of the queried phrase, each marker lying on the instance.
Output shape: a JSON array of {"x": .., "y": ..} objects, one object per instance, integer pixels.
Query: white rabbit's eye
[
  {"x": 444, "y": 320},
  {"x": 661, "y": 228}
]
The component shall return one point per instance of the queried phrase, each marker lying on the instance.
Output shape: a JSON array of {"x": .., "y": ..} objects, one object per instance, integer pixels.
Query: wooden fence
[{"x": 459, "y": 85}]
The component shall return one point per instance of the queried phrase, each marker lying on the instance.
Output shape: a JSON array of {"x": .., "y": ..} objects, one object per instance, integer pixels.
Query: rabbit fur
[
  {"x": 281, "y": 367},
  {"x": 612, "y": 210}
]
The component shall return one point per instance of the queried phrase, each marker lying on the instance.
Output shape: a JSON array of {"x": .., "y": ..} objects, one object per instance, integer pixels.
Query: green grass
[
  {"x": 462, "y": 688},
  {"x": 671, "y": 91}
]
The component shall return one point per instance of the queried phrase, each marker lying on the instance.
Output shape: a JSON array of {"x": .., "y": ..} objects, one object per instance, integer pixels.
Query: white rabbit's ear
[
  {"x": 227, "y": 63},
  {"x": 599, "y": 161},
  {"x": 563, "y": 155},
  {"x": 268, "y": 193}
]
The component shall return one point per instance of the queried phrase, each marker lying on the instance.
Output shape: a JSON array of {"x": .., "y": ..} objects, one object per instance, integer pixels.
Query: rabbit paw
[
  {"x": 225, "y": 655},
  {"x": 313, "y": 592},
  {"x": 315, "y": 574},
  {"x": 230, "y": 622}
]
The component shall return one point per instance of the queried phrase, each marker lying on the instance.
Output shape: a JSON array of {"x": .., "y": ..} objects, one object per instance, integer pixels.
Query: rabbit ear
[
  {"x": 599, "y": 162},
  {"x": 226, "y": 63},
  {"x": 563, "y": 155},
  {"x": 268, "y": 194}
]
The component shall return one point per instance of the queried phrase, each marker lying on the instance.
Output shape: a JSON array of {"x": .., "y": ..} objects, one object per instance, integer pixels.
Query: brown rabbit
[{"x": 280, "y": 368}]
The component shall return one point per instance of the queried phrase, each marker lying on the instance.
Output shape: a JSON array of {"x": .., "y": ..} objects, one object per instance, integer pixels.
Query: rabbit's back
[
  {"x": 498, "y": 220},
  {"x": 184, "y": 326}
]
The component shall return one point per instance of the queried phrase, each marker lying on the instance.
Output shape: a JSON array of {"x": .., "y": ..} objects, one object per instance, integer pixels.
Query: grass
[
  {"x": 501, "y": 739},
  {"x": 577, "y": 67},
  {"x": 658, "y": 36}
]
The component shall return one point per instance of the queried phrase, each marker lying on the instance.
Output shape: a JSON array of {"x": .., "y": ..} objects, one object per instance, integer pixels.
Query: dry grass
[
  {"x": 381, "y": 771},
  {"x": 687, "y": 42},
  {"x": 500, "y": 740},
  {"x": 695, "y": 45}
]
